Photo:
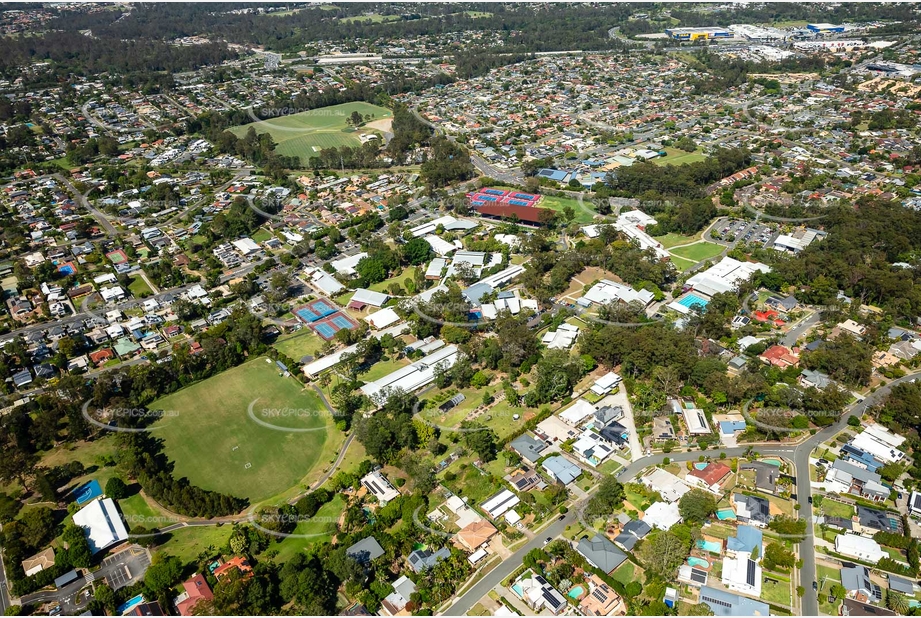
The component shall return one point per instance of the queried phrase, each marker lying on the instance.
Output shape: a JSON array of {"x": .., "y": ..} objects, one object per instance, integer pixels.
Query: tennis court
[
  {"x": 328, "y": 326},
  {"x": 313, "y": 311}
]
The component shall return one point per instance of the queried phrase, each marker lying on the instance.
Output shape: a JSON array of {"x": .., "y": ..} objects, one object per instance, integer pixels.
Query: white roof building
[
  {"x": 439, "y": 245},
  {"x": 500, "y": 503},
  {"x": 669, "y": 486},
  {"x": 725, "y": 276},
  {"x": 742, "y": 574},
  {"x": 101, "y": 523},
  {"x": 346, "y": 266},
  {"x": 577, "y": 413},
  {"x": 324, "y": 281},
  {"x": 562, "y": 338},
  {"x": 591, "y": 449},
  {"x": 859, "y": 547},
  {"x": 383, "y": 318},
  {"x": 606, "y": 383},
  {"x": 606, "y": 291},
  {"x": 246, "y": 246},
  {"x": 413, "y": 376},
  {"x": 378, "y": 486},
  {"x": 662, "y": 515},
  {"x": 695, "y": 420},
  {"x": 879, "y": 442},
  {"x": 369, "y": 297}
]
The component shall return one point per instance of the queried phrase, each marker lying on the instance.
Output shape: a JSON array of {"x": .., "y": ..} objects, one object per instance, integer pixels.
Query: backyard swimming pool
[
  {"x": 725, "y": 514},
  {"x": 711, "y": 546},
  {"x": 698, "y": 562},
  {"x": 700, "y": 466},
  {"x": 576, "y": 592}
]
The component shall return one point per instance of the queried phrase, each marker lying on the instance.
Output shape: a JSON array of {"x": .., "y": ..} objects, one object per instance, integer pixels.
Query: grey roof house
[
  {"x": 365, "y": 550},
  {"x": 528, "y": 447},
  {"x": 423, "y": 559},
  {"x": 601, "y": 552}
]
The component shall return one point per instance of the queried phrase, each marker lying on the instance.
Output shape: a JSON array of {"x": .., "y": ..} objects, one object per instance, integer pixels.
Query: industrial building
[{"x": 825, "y": 28}]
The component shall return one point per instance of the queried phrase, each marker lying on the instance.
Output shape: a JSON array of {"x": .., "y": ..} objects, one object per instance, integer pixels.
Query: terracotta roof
[
  {"x": 475, "y": 534},
  {"x": 712, "y": 474}
]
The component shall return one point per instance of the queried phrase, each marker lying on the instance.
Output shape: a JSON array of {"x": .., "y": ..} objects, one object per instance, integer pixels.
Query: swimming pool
[
  {"x": 576, "y": 592},
  {"x": 711, "y": 546},
  {"x": 772, "y": 462},
  {"x": 693, "y": 299},
  {"x": 725, "y": 514},
  {"x": 701, "y": 465},
  {"x": 518, "y": 590},
  {"x": 698, "y": 562},
  {"x": 130, "y": 604}
]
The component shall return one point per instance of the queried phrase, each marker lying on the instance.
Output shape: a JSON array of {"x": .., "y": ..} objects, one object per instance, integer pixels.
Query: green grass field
[
  {"x": 671, "y": 240},
  {"x": 374, "y": 18},
  {"x": 305, "y": 134},
  {"x": 214, "y": 442},
  {"x": 584, "y": 212},
  {"x": 139, "y": 288},
  {"x": 187, "y": 543},
  {"x": 321, "y": 524},
  {"x": 682, "y": 264},
  {"x": 679, "y": 157},
  {"x": 299, "y": 344},
  {"x": 698, "y": 251}
]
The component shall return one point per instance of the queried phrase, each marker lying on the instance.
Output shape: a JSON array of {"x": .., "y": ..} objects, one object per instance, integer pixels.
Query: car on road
[
  {"x": 810, "y": 499},
  {"x": 815, "y": 585},
  {"x": 547, "y": 540},
  {"x": 793, "y": 497},
  {"x": 561, "y": 518}
]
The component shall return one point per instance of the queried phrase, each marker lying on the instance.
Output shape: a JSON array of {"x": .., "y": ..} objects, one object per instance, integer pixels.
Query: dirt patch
[
  {"x": 592, "y": 273},
  {"x": 381, "y": 125}
]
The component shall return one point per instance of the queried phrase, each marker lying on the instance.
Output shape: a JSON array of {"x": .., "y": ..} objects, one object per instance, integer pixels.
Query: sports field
[
  {"x": 698, "y": 251},
  {"x": 208, "y": 431},
  {"x": 305, "y": 134}
]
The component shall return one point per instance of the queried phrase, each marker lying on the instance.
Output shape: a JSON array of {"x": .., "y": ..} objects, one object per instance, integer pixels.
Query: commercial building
[
  {"x": 413, "y": 376},
  {"x": 698, "y": 34},
  {"x": 825, "y": 28},
  {"x": 725, "y": 276}
]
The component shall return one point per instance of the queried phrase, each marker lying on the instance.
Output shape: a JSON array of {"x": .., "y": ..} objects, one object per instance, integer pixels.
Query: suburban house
[
  {"x": 422, "y": 559},
  {"x": 395, "y": 603},
  {"x": 539, "y": 594},
  {"x": 723, "y": 603},
  {"x": 194, "y": 590},
  {"x": 631, "y": 533},
  {"x": 237, "y": 563},
  {"x": 528, "y": 447},
  {"x": 365, "y": 550},
  {"x": 845, "y": 478},
  {"x": 39, "y": 562},
  {"x": 601, "y": 600},
  {"x": 601, "y": 553},
  {"x": 752, "y": 510},
  {"x": 561, "y": 469},
  {"x": 859, "y": 547},
  {"x": 662, "y": 515},
  {"x": 379, "y": 487},
  {"x": 711, "y": 478},
  {"x": 475, "y": 534},
  {"x": 856, "y": 580}
]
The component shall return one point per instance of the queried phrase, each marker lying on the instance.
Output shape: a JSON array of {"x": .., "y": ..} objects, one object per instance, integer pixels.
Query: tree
[
  {"x": 609, "y": 497},
  {"x": 777, "y": 555},
  {"x": 662, "y": 553},
  {"x": 480, "y": 440},
  {"x": 417, "y": 251},
  {"x": 116, "y": 489},
  {"x": 697, "y": 505},
  {"x": 163, "y": 574},
  {"x": 897, "y": 602}
]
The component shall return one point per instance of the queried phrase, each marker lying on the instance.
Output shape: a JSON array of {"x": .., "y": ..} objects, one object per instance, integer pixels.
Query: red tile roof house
[
  {"x": 196, "y": 589},
  {"x": 101, "y": 356},
  {"x": 238, "y": 562},
  {"x": 780, "y": 356},
  {"x": 710, "y": 478}
]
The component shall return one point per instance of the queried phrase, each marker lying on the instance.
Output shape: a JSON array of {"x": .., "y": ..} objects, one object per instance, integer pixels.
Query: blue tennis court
[
  {"x": 325, "y": 330},
  {"x": 341, "y": 321},
  {"x": 524, "y": 196},
  {"x": 518, "y": 203},
  {"x": 306, "y": 314},
  {"x": 489, "y": 198},
  {"x": 322, "y": 308},
  {"x": 493, "y": 192},
  {"x": 692, "y": 299}
]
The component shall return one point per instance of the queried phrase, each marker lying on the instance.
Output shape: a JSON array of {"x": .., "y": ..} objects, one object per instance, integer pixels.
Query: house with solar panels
[{"x": 379, "y": 487}]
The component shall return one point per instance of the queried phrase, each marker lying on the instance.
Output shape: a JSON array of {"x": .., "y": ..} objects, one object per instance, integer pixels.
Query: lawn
[
  {"x": 209, "y": 433},
  {"x": 298, "y": 344},
  {"x": 679, "y": 157},
  {"x": 682, "y": 264},
  {"x": 831, "y": 508},
  {"x": 305, "y": 134},
  {"x": 319, "y": 525},
  {"x": 824, "y": 572},
  {"x": 778, "y": 593},
  {"x": 138, "y": 512},
  {"x": 383, "y": 368},
  {"x": 625, "y": 573},
  {"x": 671, "y": 239},
  {"x": 139, "y": 288},
  {"x": 187, "y": 543},
  {"x": 399, "y": 278},
  {"x": 584, "y": 212},
  {"x": 698, "y": 251},
  {"x": 374, "y": 18}
]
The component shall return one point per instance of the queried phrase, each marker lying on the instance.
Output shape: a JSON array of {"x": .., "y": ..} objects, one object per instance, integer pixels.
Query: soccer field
[
  {"x": 305, "y": 134},
  {"x": 209, "y": 433}
]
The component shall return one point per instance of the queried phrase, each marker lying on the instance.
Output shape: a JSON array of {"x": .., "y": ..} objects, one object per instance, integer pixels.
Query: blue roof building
[
  {"x": 747, "y": 538},
  {"x": 552, "y": 174},
  {"x": 859, "y": 456},
  {"x": 723, "y": 603},
  {"x": 729, "y": 427}
]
